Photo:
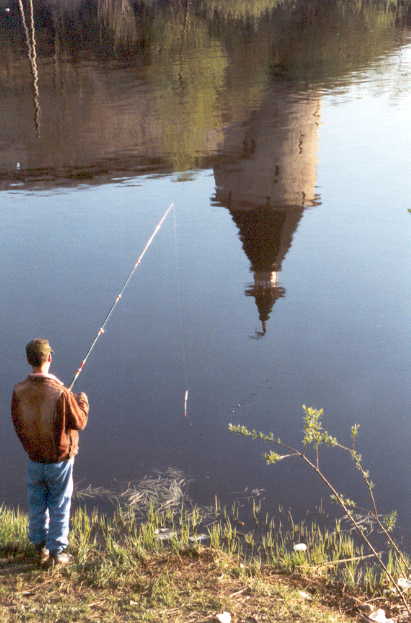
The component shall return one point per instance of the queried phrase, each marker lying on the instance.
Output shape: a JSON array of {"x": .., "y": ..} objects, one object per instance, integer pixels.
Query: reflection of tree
[
  {"x": 240, "y": 9},
  {"x": 186, "y": 74},
  {"x": 117, "y": 18},
  {"x": 326, "y": 41}
]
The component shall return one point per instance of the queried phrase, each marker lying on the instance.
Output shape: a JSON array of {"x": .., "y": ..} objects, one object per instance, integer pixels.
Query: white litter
[
  {"x": 379, "y": 616},
  {"x": 224, "y": 617},
  {"x": 300, "y": 547},
  {"x": 304, "y": 595},
  {"x": 197, "y": 538},
  {"x": 164, "y": 534},
  {"x": 404, "y": 583}
]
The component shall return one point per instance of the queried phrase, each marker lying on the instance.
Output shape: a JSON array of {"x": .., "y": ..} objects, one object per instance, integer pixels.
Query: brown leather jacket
[{"x": 47, "y": 418}]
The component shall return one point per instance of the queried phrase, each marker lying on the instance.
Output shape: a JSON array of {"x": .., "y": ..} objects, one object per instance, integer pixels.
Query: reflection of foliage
[
  {"x": 118, "y": 19},
  {"x": 187, "y": 72},
  {"x": 240, "y": 9},
  {"x": 202, "y": 58},
  {"x": 324, "y": 41}
]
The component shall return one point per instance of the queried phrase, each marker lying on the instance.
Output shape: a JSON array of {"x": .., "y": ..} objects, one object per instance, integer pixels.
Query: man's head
[{"x": 38, "y": 352}]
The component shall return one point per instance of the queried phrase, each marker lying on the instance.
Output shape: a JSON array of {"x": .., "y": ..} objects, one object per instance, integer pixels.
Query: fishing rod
[{"x": 120, "y": 294}]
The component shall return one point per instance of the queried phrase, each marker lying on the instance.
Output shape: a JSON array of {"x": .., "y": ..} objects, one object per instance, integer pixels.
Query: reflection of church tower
[
  {"x": 266, "y": 236},
  {"x": 266, "y": 178}
]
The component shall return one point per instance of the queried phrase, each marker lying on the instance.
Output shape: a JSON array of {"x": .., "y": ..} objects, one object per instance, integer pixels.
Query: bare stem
[
  {"x": 358, "y": 528},
  {"x": 382, "y": 527}
]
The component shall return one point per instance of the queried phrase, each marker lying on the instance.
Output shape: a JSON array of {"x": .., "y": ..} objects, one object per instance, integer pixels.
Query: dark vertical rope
[{"x": 32, "y": 56}]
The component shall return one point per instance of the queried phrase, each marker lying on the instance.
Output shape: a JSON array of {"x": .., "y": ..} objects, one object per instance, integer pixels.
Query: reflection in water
[
  {"x": 32, "y": 56},
  {"x": 186, "y": 90},
  {"x": 132, "y": 86},
  {"x": 240, "y": 9},
  {"x": 118, "y": 19},
  {"x": 267, "y": 182},
  {"x": 262, "y": 233}
]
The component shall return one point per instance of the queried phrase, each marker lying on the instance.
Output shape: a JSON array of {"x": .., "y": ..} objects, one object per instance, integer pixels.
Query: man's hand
[{"x": 81, "y": 397}]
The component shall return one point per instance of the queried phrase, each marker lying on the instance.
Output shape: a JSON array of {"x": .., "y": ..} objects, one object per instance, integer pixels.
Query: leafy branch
[{"x": 316, "y": 436}]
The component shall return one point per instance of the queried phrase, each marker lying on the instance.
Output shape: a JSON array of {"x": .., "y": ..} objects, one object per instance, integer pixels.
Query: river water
[{"x": 282, "y": 133}]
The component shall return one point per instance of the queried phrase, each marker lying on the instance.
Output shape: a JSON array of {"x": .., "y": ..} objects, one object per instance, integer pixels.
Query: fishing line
[
  {"x": 181, "y": 316},
  {"x": 120, "y": 294}
]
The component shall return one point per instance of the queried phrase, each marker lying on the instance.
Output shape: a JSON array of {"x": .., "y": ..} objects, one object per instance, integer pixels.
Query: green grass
[{"x": 123, "y": 571}]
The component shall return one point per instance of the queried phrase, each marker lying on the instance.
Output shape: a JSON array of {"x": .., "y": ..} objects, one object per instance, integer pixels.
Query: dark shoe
[
  {"x": 43, "y": 553},
  {"x": 61, "y": 558}
]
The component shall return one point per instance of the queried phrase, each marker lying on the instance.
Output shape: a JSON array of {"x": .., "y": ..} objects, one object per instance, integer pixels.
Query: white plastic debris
[
  {"x": 18, "y": 166},
  {"x": 164, "y": 534},
  {"x": 198, "y": 538},
  {"x": 7, "y": 10},
  {"x": 300, "y": 547},
  {"x": 224, "y": 617},
  {"x": 379, "y": 616},
  {"x": 404, "y": 583},
  {"x": 304, "y": 595}
]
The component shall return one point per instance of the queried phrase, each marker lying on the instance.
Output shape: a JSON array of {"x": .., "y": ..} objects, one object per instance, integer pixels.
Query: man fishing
[{"x": 47, "y": 417}]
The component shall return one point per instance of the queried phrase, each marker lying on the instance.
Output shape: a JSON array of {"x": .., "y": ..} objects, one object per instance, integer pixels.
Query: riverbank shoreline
[
  {"x": 168, "y": 587},
  {"x": 166, "y": 568}
]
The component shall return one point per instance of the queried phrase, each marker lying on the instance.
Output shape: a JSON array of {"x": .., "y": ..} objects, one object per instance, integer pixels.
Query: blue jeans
[{"x": 49, "y": 490}]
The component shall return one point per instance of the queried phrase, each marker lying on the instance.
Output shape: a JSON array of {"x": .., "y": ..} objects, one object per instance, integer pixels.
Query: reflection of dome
[
  {"x": 265, "y": 296},
  {"x": 261, "y": 231},
  {"x": 266, "y": 234}
]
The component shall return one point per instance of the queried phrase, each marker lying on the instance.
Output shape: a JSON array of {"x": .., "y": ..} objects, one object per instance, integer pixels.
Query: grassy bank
[{"x": 188, "y": 566}]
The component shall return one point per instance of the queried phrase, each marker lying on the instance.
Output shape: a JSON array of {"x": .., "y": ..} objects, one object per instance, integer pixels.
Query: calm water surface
[{"x": 283, "y": 136}]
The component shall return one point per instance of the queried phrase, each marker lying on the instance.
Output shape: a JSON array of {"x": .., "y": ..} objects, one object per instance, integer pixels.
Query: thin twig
[
  {"x": 242, "y": 590},
  {"x": 343, "y": 560},
  {"x": 358, "y": 528},
  {"x": 349, "y": 514},
  {"x": 37, "y": 587}
]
